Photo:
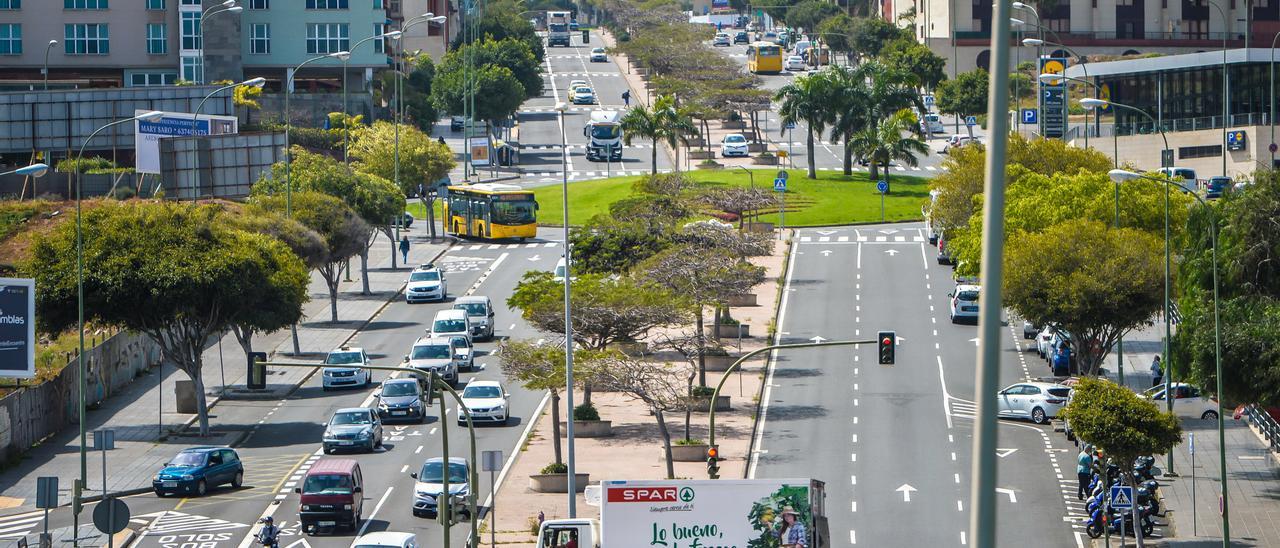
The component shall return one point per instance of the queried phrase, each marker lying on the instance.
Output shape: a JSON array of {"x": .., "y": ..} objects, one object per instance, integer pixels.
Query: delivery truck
[
  {"x": 697, "y": 513},
  {"x": 604, "y": 132},
  {"x": 558, "y": 28}
]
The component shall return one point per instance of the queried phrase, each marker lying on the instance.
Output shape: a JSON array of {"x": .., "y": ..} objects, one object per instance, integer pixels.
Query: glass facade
[{"x": 1190, "y": 99}]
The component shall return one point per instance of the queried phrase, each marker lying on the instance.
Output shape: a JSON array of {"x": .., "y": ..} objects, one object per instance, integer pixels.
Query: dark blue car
[{"x": 196, "y": 470}]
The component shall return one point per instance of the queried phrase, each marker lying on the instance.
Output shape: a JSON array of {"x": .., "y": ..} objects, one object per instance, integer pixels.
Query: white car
[
  {"x": 486, "y": 401},
  {"x": 721, "y": 39},
  {"x": 964, "y": 303},
  {"x": 598, "y": 55},
  {"x": 386, "y": 539},
  {"x": 560, "y": 272},
  {"x": 795, "y": 63},
  {"x": 734, "y": 144},
  {"x": 957, "y": 141},
  {"x": 1038, "y": 401},
  {"x": 931, "y": 124},
  {"x": 430, "y": 484},
  {"x": 578, "y": 83},
  {"x": 1043, "y": 340},
  {"x": 426, "y": 283},
  {"x": 464, "y": 354},
  {"x": 1188, "y": 402},
  {"x": 582, "y": 95},
  {"x": 334, "y": 375}
]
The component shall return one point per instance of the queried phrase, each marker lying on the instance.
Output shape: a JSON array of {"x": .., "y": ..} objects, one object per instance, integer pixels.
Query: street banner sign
[
  {"x": 882, "y": 186},
  {"x": 147, "y": 134},
  {"x": 479, "y": 151},
  {"x": 1121, "y": 497},
  {"x": 1030, "y": 116},
  {"x": 971, "y": 121},
  {"x": 17, "y": 328},
  {"x": 1053, "y": 99}
]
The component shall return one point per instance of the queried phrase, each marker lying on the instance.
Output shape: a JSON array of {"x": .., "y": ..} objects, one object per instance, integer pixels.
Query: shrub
[
  {"x": 690, "y": 442},
  {"x": 555, "y": 468},
  {"x": 586, "y": 412},
  {"x": 702, "y": 391}
]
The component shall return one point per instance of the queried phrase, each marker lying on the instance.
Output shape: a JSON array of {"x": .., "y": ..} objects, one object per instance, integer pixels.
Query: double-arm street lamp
[
  {"x": 228, "y": 6},
  {"x": 1271, "y": 106},
  {"x": 568, "y": 316},
  {"x": 1226, "y": 82},
  {"x": 288, "y": 92},
  {"x": 346, "y": 121},
  {"x": 399, "y": 99},
  {"x": 1120, "y": 176},
  {"x": 195, "y": 128}
]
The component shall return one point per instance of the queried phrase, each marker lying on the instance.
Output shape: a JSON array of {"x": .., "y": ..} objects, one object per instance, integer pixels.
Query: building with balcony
[{"x": 425, "y": 38}]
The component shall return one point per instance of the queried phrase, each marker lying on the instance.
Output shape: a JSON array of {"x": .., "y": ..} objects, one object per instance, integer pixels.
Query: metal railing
[
  {"x": 1263, "y": 420},
  {"x": 1191, "y": 124},
  {"x": 1071, "y": 37}
]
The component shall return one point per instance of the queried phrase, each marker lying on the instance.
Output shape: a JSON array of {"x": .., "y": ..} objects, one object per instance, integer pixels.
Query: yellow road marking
[{"x": 220, "y": 498}]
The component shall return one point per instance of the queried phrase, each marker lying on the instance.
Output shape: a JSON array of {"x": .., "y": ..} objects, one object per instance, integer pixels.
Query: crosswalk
[
  {"x": 577, "y": 147},
  {"x": 839, "y": 239},
  {"x": 961, "y": 408},
  {"x": 19, "y": 525},
  {"x": 170, "y": 521},
  {"x": 530, "y": 245}
]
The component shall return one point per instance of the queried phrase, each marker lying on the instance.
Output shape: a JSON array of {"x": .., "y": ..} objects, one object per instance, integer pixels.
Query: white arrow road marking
[
  {"x": 1012, "y": 497},
  {"x": 535, "y": 258},
  {"x": 906, "y": 492},
  {"x": 889, "y": 231},
  {"x": 974, "y": 341},
  {"x": 1002, "y": 453},
  {"x": 826, "y": 252},
  {"x": 817, "y": 339},
  {"x": 300, "y": 542},
  {"x": 826, "y": 232},
  {"x": 891, "y": 252}
]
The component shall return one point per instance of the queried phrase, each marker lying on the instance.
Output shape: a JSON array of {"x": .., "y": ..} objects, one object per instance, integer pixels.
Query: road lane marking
[
  {"x": 418, "y": 450},
  {"x": 369, "y": 519},
  {"x": 770, "y": 365}
]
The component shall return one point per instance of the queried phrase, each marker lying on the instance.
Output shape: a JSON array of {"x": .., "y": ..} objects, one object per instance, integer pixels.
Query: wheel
[
  {"x": 1210, "y": 415},
  {"x": 159, "y": 493},
  {"x": 379, "y": 441},
  {"x": 1094, "y": 530},
  {"x": 1038, "y": 416},
  {"x": 238, "y": 480},
  {"x": 1147, "y": 528},
  {"x": 201, "y": 488}
]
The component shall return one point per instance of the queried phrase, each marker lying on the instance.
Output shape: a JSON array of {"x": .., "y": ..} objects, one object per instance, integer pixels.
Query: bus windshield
[
  {"x": 606, "y": 131},
  {"x": 514, "y": 212},
  {"x": 768, "y": 51}
]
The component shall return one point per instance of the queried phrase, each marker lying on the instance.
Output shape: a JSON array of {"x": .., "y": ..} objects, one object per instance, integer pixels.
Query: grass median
[{"x": 831, "y": 199}]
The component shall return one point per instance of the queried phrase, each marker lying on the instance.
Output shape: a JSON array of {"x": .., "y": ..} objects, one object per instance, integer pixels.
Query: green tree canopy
[
  {"x": 606, "y": 309},
  {"x": 807, "y": 99},
  {"x": 511, "y": 53},
  {"x": 807, "y": 14},
  {"x": 966, "y": 95},
  {"x": 501, "y": 20},
  {"x": 916, "y": 59},
  {"x": 422, "y": 159},
  {"x": 498, "y": 92},
  {"x": 837, "y": 32},
  {"x": 872, "y": 34}
]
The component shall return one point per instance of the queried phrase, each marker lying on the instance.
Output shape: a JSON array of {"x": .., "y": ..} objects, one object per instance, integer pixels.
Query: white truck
[
  {"x": 696, "y": 513},
  {"x": 604, "y": 134},
  {"x": 558, "y": 28}
]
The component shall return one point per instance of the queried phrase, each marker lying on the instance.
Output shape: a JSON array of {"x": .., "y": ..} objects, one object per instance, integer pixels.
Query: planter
[
  {"x": 758, "y": 227},
  {"x": 688, "y": 453},
  {"x": 588, "y": 429},
  {"x": 745, "y": 299},
  {"x": 737, "y": 124},
  {"x": 702, "y": 154},
  {"x": 731, "y": 331},
  {"x": 765, "y": 160},
  {"x": 695, "y": 142},
  {"x": 757, "y": 147},
  {"x": 702, "y": 405},
  {"x": 558, "y": 483},
  {"x": 711, "y": 165},
  {"x": 719, "y": 363}
]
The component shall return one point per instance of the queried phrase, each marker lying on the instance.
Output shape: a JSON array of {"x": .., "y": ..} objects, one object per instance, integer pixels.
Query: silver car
[
  {"x": 464, "y": 355},
  {"x": 353, "y": 428},
  {"x": 435, "y": 354},
  {"x": 1038, "y": 401}
]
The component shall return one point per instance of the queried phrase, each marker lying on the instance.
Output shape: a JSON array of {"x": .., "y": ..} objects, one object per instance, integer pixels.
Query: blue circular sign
[{"x": 882, "y": 186}]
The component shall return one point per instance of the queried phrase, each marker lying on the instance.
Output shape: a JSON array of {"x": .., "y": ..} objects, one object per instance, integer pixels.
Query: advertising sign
[
  {"x": 479, "y": 151},
  {"x": 719, "y": 4},
  {"x": 696, "y": 513},
  {"x": 1053, "y": 98},
  {"x": 1236, "y": 140},
  {"x": 147, "y": 135},
  {"x": 17, "y": 328}
]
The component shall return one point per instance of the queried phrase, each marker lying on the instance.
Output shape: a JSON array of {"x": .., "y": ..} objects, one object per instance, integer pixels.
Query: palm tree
[
  {"x": 865, "y": 97},
  {"x": 806, "y": 99},
  {"x": 640, "y": 121},
  {"x": 890, "y": 139},
  {"x": 676, "y": 122}
]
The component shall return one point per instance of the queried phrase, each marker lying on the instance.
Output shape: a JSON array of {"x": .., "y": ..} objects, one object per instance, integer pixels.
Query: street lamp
[
  {"x": 346, "y": 121},
  {"x": 150, "y": 116},
  {"x": 1272, "y": 106},
  {"x": 288, "y": 155},
  {"x": 45, "y": 69},
  {"x": 1119, "y": 176},
  {"x": 398, "y": 60},
  {"x": 568, "y": 317},
  {"x": 1226, "y": 103},
  {"x": 195, "y": 157},
  {"x": 226, "y": 7},
  {"x": 1039, "y": 25},
  {"x": 33, "y": 170}
]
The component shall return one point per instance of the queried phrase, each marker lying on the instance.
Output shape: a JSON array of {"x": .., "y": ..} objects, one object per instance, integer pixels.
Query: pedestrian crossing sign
[{"x": 1121, "y": 497}]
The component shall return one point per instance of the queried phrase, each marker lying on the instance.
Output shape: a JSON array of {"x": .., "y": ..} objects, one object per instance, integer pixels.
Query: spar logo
[{"x": 651, "y": 494}]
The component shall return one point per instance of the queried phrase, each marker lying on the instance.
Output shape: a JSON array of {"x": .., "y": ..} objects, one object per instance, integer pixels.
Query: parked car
[
  {"x": 353, "y": 428},
  {"x": 721, "y": 39},
  {"x": 1029, "y": 330},
  {"x": 335, "y": 375},
  {"x": 964, "y": 303},
  {"x": 560, "y": 272},
  {"x": 795, "y": 63},
  {"x": 1044, "y": 340},
  {"x": 931, "y": 124},
  {"x": 430, "y": 483},
  {"x": 401, "y": 399},
  {"x": 734, "y": 144},
  {"x": 331, "y": 495},
  {"x": 197, "y": 469},
  {"x": 740, "y": 37},
  {"x": 486, "y": 401},
  {"x": 407, "y": 220},
  {"x": 598, "y": 55},
  {"x": 1038, "y": 401},
  {"x": 434, "y": 354},
  {"x": 956, "y": 141},
  {"x": 426, "y": 283},
  {"x": 573, "y": 25},
  {"x": 1188, "y": 401},
  {"x": 1217, "y": 186}
]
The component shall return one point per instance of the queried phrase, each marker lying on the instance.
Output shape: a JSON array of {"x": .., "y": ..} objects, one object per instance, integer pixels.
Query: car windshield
[
  {"x": 473, "y": 309},
  {"x": 967, "y": 295},
  {"x": 425, "y": 276},
  {"x": 462, "y": 343},
  {"x": 327, "y": 484},
  {"x": 558, "y": 27},
  {"x": 606, "y": 131},
  {"x": 188, "y": 459},
  {"x": 430, "y": 352},
  {"x": 768, "y": 51},
  {"x": 342, "y": 358},
  {"x": 351, "y": 417},
  {"x": 448, "y": 326},
  {"x": 400, "y": 389},
  {"x": 519, "y": 212},
  {"x": 482, "y": 392},
  {"x": 735, "y": 139},
  {"x": 433, "y": 472},
  {"x": 559, "y": 271},
  {"x": 598, "y": 50}
]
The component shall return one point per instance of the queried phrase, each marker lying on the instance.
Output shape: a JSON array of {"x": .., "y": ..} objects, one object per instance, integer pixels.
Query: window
[
  {"x": 191, "y": 30},
  {"x": 84, "y": 4},
  {"x": 192, "y": 3},
  {"x": 377, "y": 4},
  {"x": 157, "y": 39},
  {"x": 192, "y": 69},
  {"x": 155, "y": 4},
  {"x": 379, "y": 44},
  {"x": 145, "y": 79},
  {"x": 86, "y": 39},
  {"x": 327, "y": 4},
  {"x": 259, "y": 4},
  {"x": 1199, "y": 152},
  {"x": 11, "y": 39},
  {"x": 10, "y": 4},
  {"x": 327, "y": 38},
  {"x": 260, "y": 38}
]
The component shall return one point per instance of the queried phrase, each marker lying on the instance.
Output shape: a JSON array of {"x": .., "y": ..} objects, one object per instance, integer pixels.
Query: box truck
[{"x": 558, "y": 28}]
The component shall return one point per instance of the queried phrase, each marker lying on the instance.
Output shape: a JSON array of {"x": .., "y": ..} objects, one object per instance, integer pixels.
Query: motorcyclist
[{"x": 269, "y": 535}]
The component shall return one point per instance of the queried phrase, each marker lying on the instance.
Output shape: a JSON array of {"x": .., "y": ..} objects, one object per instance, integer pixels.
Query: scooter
[{"x": 269, "y": 535}]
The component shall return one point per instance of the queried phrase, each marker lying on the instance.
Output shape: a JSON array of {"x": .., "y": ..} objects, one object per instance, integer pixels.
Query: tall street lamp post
[
  {"x": 346, "y": 120},
  {"x": 33, "y": 170},
  {"x": 45, "y": 69},
  {"x": 399, "y": 100},
  {"x": 195, "y": 127},
  {"x": 229, "y": 6},
  {"x": 1039, "y": 24},
  {"x": 1271, "y": 107},
  {"x": 568, "y": 316},
  {"x": 1226, "y": 83},
  {"x": 1119, "y": 176},
  {"x": 288, "y": 155}
]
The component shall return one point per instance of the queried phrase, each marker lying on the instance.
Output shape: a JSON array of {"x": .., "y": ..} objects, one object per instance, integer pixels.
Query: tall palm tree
[
  {"x": 890, "y": 139},
  {"x": 676, "y": 122},
  {"x": 806, "y": 99},
  {"x": 641, "y": 121},
  {"x": 865, "y": 97}
]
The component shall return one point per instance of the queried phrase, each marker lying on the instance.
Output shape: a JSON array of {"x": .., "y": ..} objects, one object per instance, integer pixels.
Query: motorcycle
[{"x": 269, "y": 535}]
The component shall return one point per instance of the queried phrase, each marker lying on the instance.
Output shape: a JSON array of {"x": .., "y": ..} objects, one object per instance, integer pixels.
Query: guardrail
[{"x": 1260, "y": 418}]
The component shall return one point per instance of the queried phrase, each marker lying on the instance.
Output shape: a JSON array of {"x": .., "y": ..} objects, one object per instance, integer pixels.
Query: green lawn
[{"x": 830, "y": 199}]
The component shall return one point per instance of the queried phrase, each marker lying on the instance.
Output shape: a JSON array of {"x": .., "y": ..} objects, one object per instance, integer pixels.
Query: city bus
[
  {"x": 490, "y": 211},
  {"x": 764, "y": 58}
]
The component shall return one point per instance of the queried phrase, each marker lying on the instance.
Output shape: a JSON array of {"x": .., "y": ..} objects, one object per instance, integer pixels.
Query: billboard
[
  {"x": 479, "y": 151},
  {"x": 695, "y": 513},
  {"x": 147, "y": 135},
  {"x": 17, "y": 328}
]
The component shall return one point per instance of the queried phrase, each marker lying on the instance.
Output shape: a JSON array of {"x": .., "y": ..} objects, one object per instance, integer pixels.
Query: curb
[{"x": 777, "y": 307}]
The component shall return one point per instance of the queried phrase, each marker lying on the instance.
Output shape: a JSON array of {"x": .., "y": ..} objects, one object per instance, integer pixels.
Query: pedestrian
[
  {"x": 1084, "y": 471},
  {"x": 1157, "y": 372},
  {"x": 440, "y": 140},
  {"x": 541, "y": 518},
  {"x": 1062, "y": 361},
  {"x": 404, "y": 248},
  {"x": 626, "y": 98}
]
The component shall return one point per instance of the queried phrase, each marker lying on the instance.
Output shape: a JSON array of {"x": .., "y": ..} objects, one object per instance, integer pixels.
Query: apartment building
[
  {"x": 960, "y": 30},
  {"x": 427, "y": 38},
  {"x": 277, "y": 36}
]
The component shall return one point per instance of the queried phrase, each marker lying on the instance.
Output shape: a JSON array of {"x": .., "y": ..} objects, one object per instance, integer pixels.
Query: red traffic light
[
  {"x": 713, "y": 453},
  {"x": 886, "y": 340}
]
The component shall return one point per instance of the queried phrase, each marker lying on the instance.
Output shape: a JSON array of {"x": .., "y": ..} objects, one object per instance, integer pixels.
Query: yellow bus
[
  {"x": 764, "y": 58},
  {"x": 490, "y": 211}
]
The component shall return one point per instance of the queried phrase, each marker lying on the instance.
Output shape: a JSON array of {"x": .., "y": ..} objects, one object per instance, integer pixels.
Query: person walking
[
  {"x": 1084, "y": 470},
  {"x": 440, "y": 140},
  {"x": 404, "y": 248},
  {"x": 1157, "y": 372},
  {"x": 626, "y": 98}
]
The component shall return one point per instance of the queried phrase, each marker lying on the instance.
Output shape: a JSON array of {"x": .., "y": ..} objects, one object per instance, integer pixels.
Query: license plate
[
  {"x": 169, "y": 483},
  {"x": 326, "y": 523},
  {"x": 344, "y": 443},
  {"x": 399, "y": 413}
]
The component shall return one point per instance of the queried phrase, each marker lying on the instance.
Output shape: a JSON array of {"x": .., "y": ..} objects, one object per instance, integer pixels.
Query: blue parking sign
[{"x": 1030, "y": 116}]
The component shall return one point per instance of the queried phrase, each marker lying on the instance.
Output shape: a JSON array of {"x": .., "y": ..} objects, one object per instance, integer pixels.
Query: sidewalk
[
  {"x": 1140, "y": 348},
  {"x": 149, "y": 431}
]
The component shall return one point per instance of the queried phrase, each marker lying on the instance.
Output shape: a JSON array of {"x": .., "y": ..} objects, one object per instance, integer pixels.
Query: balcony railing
[{"x": 1074, "y": 37}]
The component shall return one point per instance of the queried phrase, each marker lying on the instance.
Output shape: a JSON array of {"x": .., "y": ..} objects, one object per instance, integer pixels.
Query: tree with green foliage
[
  {"x": 423, "y": 161},
  {"x": 870, "y": 35},
  {"x": 501, "y": 20},
  {"x": 964, "y": 96},
  {"x": 1122, "y": 425},
  {"x": 542, "y": 367},
  {"x": 188, "y": 279},
  {"x": 916, "y": 59},
  {"x": 1096, "y": 282},
  {"x": 807, "y": 14},
  {"x": 890, "y": 139},
  {"x": 416, "y": 86},
  {"x": 605, "y": 246},
  {"x": 641, "y": 121},
  {"x": 498, "y": 93},
  {"x": 511, "y": 53},
  {"x": 308, "y": 245},
  {"x": 837, "y": 32},
  {"x": 676, "y": 122},
  {"x": 807, "y": 99}
]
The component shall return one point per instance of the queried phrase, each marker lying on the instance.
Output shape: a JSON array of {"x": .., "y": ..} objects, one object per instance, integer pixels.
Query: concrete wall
[
  {"x": 1143, "y": 151},
  {"x": 31, "y": 414}
]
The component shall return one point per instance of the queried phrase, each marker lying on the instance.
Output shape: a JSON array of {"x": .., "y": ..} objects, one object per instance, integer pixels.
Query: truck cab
[
  {"x": 604, "y": 134},
  {"x": 559, "y": 533}
]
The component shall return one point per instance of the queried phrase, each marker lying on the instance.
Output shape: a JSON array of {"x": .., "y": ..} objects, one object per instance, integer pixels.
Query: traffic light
[
  {"x": 713, "y": 463},
  {"x": 885, "y": 341},
  {"x": 257, "y": 379}
]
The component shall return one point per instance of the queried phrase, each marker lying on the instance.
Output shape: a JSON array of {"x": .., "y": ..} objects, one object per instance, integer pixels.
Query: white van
[
  {"x": 479, "y": 312},
  {"x": 1187, "y": 175},
  {"x": 451, "y": 322}
]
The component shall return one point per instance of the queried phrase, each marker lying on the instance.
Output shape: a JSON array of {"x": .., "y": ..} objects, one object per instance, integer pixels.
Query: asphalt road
[
  {"x": 286, "y": 433},
  {"x": 893, "y": 443}
]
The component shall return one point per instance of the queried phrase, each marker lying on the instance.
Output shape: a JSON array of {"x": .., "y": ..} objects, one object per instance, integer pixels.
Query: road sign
[
  {"x": 1121, "y": 497},
  {"x": 1053, "y": 99},
  {"x": 971, "y": 121},
  {"x": 780, "y": 184},
  {"x": 1166, "y": 158},
  {"x": 782, "y": 174},
  {"x": 1030, "y": 116},
  {"x": 47, "y": 492},
  {"x": 790, "y": 125},
  {"x": 1236, "y": 140},
  {"x": 882, "y": 186},
  {"x": 1191, "y": 442},
  {"x": 490, "y": 461},
  {"x": 1272, "y": 147},
  {"x": 111, "y": 516}
]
